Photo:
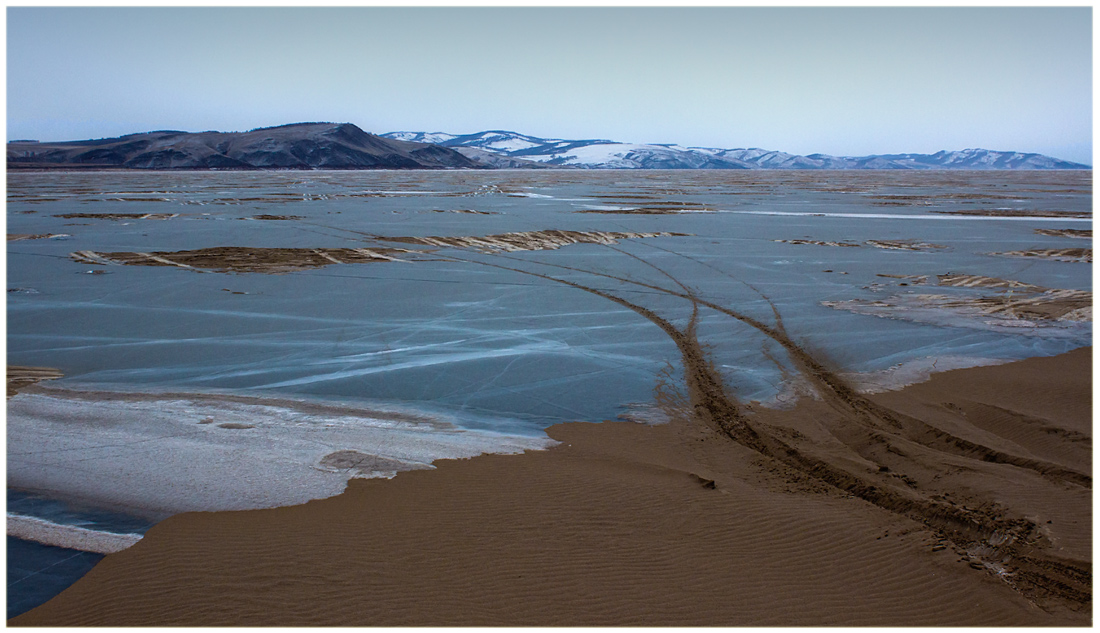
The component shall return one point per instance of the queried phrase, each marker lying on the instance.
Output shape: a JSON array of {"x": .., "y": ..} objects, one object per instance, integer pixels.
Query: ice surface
[
  {"x": 492, "y": 348},
  {"x": 69, "y": 536},
  {"x": 175, "y": 453}
]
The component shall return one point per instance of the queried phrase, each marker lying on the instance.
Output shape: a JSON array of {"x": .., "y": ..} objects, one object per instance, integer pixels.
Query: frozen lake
[{"x": 498, "y": 349}]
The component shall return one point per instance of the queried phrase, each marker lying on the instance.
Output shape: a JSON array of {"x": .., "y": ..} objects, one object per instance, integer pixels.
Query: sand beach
[{"x": 675, "y": 524}]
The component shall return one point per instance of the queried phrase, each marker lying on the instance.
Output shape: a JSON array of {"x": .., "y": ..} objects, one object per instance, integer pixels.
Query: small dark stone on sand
[{"x": 704, "y": 482}]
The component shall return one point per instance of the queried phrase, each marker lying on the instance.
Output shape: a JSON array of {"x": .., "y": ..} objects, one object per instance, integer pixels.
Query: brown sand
[
  {"x": 17, "y": 237},
  {"x": 121, "y": 216},
  {"x": 20, "y": 377},
  {"x": 905, "y": 245},
  {"x": 893, "y": 245},
  {"x": 1015, "y": 303},
  {"x": 268, "y": 216},
  {"x": 550, "y": 239},
  {"x": 689, "y": 523},
  {"x": 1083, "y": 255},
  {"x": 1077, "y": 233},
  {"x": 469, "y": 211},
  {"x": 240, "y": 259},
  {"x": 818, "y": 243}
]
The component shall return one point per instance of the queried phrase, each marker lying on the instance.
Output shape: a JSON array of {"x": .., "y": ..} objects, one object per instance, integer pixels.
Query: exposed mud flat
[
  {"x": 1031, "y": 311},
  {"x": 119, "y": 216},
  {"x": 239, "y": 259},
  {"x": 17, "y": 237},
  {"x": 959, "y": 280},
  {"x": 268, "y": 216},
  {"x": 1078, "y": 255},
  {"x": 1018, "y": 306},
  {"x": 1018, "y": 213},
  {"x": 20, "y": 377},
  {"x": 467, "y": 211},
  {"x": 528, "y": 240},
  {"x": 905, "y": 245},
  {"x": 1077, "y": 233},
  {"x": 819, "y": 243},
  {"x": 365, "y": 464},
  {"x": 893, "y": 245}
]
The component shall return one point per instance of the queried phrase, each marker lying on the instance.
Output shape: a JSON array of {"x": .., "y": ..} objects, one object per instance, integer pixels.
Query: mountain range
[
  {"x": 345, "y": 146},
  {"x": 605, "y": 154}
]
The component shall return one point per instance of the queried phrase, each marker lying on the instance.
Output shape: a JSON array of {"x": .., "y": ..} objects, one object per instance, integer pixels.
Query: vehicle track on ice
[{"x": 1011, "y": 547}]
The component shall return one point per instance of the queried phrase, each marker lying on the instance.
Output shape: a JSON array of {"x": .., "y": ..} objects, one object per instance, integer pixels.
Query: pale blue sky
[{"x": 843, "y": 81}]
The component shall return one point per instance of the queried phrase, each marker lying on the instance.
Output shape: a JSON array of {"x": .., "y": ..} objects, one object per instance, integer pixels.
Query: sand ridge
[
  {"x": 1056, "y": 254},
  {"x": 1075, "y": 233},
  {"x": 242, "y": 259},
  {"x": 893, "y": 245},
  {"x": 18, "y": 237},
  {"x": 120, "y": 216},
  {"x": 237, "y": 259},
  {"x": 529, "y": 240}
]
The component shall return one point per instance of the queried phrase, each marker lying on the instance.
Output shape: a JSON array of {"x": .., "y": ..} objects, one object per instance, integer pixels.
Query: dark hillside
[{"x": 294, "y": 146}]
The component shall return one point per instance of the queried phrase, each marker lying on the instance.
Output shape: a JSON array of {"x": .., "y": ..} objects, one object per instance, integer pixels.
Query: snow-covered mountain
[{"x": 605, "y": 154}]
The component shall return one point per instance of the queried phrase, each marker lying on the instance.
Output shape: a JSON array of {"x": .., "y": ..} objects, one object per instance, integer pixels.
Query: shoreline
[
  {"x": 792, "y": 394},
  {"x": 49, "y": 403},
  {"x": 73, "y": 537},
  {"x": 170, "y": 452},
  {"x": 626, "y": 523}
]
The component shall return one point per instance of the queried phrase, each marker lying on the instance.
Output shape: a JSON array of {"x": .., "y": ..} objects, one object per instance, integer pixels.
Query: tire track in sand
[{"x": 1009, "y": 547}]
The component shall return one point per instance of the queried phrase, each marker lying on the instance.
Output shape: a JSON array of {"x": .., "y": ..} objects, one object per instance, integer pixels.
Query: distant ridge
[
  {"x": 605, "y": 154},
  {"x": 291, "y": 146},
  {"x": 345, "y": 146}
]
